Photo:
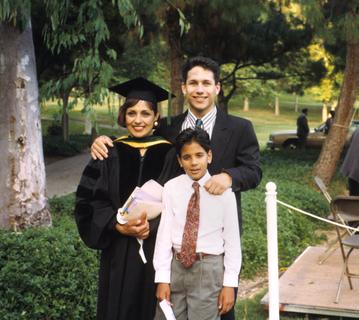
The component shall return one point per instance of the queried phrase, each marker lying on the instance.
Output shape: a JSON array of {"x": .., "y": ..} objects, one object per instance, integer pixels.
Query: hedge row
[{"x": 48, "y": 273}]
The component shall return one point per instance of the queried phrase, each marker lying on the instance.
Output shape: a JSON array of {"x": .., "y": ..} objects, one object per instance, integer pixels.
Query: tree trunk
[
  {"x": 276, "y": 109},
  {"x": 333, "y": 146},
  {"x": 246, "y": 104},
  {"x": 65, "y": 116},
  {"x": 109, "y": 104},
  {"x": 296, "y": 103},
  {"x": 88, "y": 123},
  {"x": 223, "y": 102},
  {"x": 173, "y": 34},
  {"x": 324, "y": 112},
  {"x": 23, "y": 202}
]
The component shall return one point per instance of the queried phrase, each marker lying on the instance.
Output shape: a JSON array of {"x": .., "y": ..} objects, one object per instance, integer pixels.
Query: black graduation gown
[{"x": 126, "y": 284}]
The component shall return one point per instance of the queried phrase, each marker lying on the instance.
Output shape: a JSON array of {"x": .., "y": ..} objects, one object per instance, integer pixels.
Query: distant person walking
[
  {"x": 329, "y": 122},
  {"x": 350, "y": 167},
  {"x": 302, "y": 128}
]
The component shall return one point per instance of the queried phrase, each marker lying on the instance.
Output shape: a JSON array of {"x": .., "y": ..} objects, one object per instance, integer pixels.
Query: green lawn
[{"x": 264, "y": 119}]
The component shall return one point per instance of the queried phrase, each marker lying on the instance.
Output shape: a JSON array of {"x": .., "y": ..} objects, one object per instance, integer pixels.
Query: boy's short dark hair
[
  {"x": 205, "y": 63},
  {"x": 305, "y": 110},
  {"x": 192, "y": 135}
]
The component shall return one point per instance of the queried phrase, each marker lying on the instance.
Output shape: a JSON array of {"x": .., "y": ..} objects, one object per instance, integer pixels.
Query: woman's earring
[{"x": 155, "y": 124}]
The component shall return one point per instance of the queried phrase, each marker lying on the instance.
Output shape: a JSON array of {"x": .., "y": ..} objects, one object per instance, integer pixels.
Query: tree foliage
[
  {"x": 328, "y": 88},
  {"x": 15, "y": 12},
  {"x": 337, "y": 21},
  {"x": 251, "y": 35}
]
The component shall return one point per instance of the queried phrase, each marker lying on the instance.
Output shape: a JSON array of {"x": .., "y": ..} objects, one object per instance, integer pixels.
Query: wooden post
[
  {"x": 276, "y": 108},
  {"x": 296, "y": 103},
  {"x": 246, "y": 104},
  {"x": 272, "y": 245}
]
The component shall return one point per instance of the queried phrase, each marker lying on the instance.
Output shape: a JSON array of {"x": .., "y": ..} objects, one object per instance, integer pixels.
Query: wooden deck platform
[{"x": 309, "y": 287}]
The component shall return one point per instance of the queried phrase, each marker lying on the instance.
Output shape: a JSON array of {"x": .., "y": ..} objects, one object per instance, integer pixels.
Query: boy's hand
[
  {"x": 225, "y": 300},
  {"x": 218, "y": 183},
  {"x": 163, "y": 292},
  {"x": 99, "y": 149},
  {"x": 138, "y": 228}
]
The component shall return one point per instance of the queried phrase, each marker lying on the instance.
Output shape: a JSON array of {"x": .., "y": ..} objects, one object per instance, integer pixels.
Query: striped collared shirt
[{"x": 208, "y": 121}]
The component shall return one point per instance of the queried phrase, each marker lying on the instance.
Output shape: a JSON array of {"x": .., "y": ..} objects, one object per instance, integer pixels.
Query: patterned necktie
[
  {"x": 190, "y": 233},
  {"x": 199, "y": 123}
]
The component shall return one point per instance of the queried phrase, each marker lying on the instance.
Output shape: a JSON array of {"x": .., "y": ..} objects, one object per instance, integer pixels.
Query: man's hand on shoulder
[
  {"x": 99, "y": 147},
  {"x": 218, "y": 183}
]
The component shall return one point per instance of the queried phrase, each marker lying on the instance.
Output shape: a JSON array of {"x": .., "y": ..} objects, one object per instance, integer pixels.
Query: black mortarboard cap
[{"x": 142, "y": 89}]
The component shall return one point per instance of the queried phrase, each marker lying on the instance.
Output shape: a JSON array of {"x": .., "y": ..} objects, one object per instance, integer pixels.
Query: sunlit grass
[{"x": 264, "y": 119}]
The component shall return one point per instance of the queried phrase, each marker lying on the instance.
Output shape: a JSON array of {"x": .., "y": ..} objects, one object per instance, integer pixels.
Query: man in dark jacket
[{"x": 302, "y": 128}]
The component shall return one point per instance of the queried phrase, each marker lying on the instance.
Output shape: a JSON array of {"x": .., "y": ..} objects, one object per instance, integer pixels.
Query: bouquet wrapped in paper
[{"x": 146, "y": 199}]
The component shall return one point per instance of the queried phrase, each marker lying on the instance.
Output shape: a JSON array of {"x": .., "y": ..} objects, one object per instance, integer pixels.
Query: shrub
[
  {"x": 63, "y": 205},
  {"x": 47, "y": 273},
  {"x": 54, "y": 129},
  {"x": 56, "y": 146}
]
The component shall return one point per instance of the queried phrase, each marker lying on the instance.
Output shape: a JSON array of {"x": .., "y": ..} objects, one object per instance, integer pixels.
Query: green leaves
[
  {"x": 333, "y": 19},
  {"x": 48, "y": 273},
  {"x": 78, "y": 33},
  {"x": 15, "y": 12},
  {"x": 183, "y": 22},
  {"x": 129, "y": 15}
]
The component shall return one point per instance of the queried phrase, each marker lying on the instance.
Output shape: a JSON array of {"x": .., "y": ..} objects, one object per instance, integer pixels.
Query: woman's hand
[
  {"x": 163, "y": 292},
  {"x": 139, "y": 228},
  {"x": 225, "y": 300},
  {"x": 99, "y": 149}
]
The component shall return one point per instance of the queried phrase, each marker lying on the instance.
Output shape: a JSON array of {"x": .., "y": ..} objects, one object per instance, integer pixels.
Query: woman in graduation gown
[{"x": 126, "y": 283}]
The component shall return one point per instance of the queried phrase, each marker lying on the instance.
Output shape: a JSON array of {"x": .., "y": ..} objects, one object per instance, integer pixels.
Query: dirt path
[
  {"x": 248, "y": 288},
  {"x": 63, "y": 176}
]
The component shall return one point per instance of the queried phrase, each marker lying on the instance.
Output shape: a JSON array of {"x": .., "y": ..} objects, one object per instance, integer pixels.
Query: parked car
[{"x": 289, "y": 140}]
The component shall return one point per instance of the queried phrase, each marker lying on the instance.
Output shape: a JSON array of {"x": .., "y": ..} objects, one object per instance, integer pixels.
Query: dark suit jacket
[
  {"x": 235, "y": 151},
  {"x": 302, "y": 126}
]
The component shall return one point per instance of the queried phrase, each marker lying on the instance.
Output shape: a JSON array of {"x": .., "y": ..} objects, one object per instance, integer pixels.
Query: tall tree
[
  {"x": 340, "y": 20},
  {"x": 173, "y": 38},
  {"x": 23, "y": 200},
  {"x": 171, "y": 25},
  {"x": 245, "y": 34},
  {"x": 77, "y": 43},
  {"x": 241, "y": 33},
  {"x": 75, "y": 50}
]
